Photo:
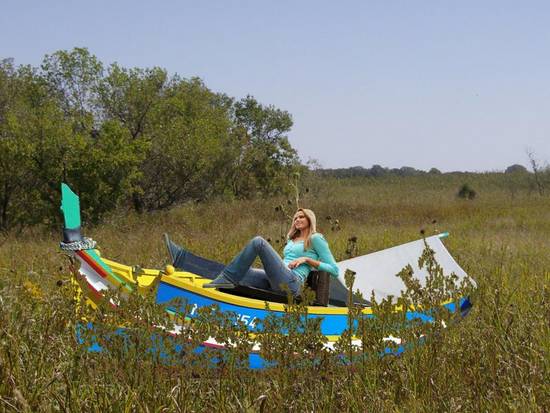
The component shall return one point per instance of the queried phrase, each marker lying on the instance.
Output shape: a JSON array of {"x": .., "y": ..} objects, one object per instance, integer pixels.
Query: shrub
[
  {"x": 466, "y": 192},
  {"x": 516, "y": 168}
]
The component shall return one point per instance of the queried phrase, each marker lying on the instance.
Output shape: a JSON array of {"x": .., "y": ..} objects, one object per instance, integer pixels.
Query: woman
[{"x": 305, "y": 250}]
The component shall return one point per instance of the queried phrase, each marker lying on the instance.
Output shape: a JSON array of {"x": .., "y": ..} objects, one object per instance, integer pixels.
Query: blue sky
[{"x": 453, "y": 85}]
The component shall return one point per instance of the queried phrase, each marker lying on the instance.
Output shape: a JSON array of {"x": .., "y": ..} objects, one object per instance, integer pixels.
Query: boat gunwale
[{"x": 192, "y": 283}]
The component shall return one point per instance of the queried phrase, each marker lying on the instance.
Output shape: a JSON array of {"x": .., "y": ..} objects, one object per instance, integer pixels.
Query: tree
[
  {"x": 190, "y": 150},
  {"x": 408, "y": 171},
  {"x": 378, "y": 171},
  {"x": 516, "y": 168},
  {"x": 129, "y": 97},
  {"x": 266, "y": 157},
  {"x": 13, "y": 156},
  {"x": 73, "y": 78},
  {"x": 33, "y": 147}
]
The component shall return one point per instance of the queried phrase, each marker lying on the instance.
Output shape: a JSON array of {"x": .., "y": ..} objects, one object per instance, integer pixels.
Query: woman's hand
[{"x": 297, "y": 262}]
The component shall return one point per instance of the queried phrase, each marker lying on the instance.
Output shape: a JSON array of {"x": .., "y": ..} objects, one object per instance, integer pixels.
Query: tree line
[
  {"x": 129, "y": 136},
  {"x": 377, "y": 171}
]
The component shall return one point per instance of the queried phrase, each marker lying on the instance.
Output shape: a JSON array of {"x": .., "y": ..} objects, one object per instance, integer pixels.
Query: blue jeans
[{"x": 274, "y": 274}]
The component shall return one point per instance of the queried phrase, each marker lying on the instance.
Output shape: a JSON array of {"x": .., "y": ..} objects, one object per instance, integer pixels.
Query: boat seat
[{"x": 319, "y": 281}]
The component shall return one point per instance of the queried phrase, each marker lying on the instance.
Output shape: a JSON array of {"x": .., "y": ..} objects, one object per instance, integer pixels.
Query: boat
[{"x": 185, "y": 275}]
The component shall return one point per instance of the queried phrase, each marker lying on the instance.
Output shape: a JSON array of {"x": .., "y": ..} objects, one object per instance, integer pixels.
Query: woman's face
[{"x": 300, "y": 221}]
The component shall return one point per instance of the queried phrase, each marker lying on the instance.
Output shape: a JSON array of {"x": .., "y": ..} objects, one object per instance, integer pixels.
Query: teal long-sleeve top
[{"x": 318, "y": 251}]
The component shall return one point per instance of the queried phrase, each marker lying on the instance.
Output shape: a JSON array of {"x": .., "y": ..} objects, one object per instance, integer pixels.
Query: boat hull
[{"x": 334, "y": 321}]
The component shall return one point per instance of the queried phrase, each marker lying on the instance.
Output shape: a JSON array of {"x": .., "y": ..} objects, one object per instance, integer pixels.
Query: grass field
[{"x": 496, "y": 359}]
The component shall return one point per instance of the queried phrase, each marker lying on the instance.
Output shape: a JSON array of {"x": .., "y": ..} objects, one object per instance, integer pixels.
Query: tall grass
[{"x": 496, "y": 359}]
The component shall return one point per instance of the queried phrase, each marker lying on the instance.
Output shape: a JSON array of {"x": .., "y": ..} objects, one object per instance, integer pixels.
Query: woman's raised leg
[
  {"x": 276, "y": 271},
  {"x": 255, "y": 277}
]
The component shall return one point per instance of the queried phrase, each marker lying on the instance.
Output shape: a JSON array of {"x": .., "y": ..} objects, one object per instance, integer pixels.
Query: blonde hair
[{"x": 293, "y": 232}]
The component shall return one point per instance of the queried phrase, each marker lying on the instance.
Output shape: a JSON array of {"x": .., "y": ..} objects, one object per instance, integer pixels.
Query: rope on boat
[{"x": 83, "y": 244}]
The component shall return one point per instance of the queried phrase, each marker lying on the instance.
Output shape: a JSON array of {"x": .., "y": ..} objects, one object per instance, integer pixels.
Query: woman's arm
[
  {"x": 304, "y": 260},
  {"x": 326, "y": 260}
]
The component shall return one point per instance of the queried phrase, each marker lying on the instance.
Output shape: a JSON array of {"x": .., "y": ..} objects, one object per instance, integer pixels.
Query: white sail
[{"x": 377, "y": 271}]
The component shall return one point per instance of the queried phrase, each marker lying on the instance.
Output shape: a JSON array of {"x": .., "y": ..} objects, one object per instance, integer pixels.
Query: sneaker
[{"x": 221, "y": 281}]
